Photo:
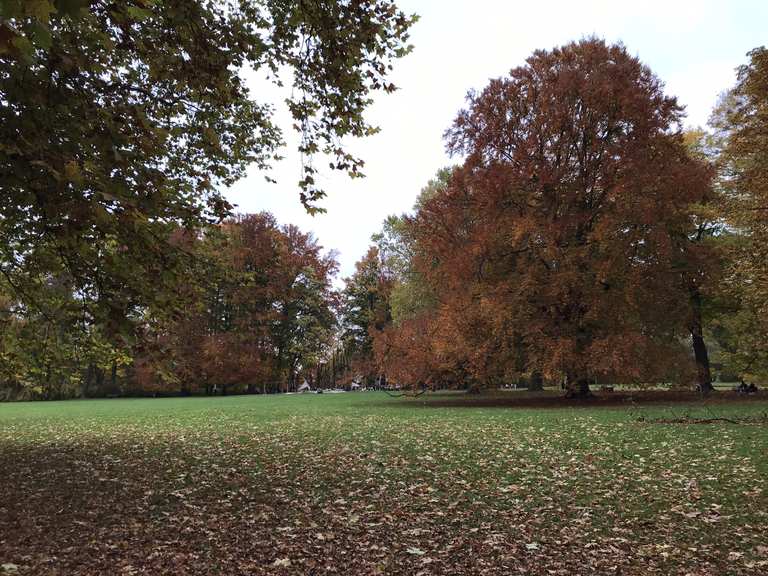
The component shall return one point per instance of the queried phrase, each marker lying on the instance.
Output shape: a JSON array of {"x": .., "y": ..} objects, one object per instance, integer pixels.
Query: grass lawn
[{"x": 362, "y": 483}]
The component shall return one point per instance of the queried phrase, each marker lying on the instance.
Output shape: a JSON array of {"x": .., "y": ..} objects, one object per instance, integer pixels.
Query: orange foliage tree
[
  {"x": 261, "y": 314},
  {"x": 558, "y": 248}
]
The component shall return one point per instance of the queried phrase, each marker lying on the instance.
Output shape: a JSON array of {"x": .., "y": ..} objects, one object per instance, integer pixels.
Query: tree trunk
[
  {"x": 536, "y": 382},
  {"x": 86, "y": 388},
  {"x": 578, "y": 388},
  {"x": 704, "y": 376},
  {"x": 100, "y": 375},
  {"x": 700, "y": 353},
  {"x": 474, "y": 388},
  {"x": 47, "y": 391},
  {"x": 114, "y": 376}
]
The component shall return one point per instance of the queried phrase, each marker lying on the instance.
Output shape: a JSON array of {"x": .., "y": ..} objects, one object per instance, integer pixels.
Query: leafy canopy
[
  {"x": 557, "y": 248},
  {"x": 122, "y": 121}
]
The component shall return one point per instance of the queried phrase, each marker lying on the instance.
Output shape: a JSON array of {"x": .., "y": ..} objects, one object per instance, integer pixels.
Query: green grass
[{"x": 366, "y": 484}]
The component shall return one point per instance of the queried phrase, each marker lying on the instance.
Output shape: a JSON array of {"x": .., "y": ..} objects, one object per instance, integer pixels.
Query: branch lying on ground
[
  {"x": 407, "y": 394},
  {"x": 761, "y": 419}
]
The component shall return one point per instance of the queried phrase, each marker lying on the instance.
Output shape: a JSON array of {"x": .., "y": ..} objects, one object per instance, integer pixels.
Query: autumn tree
[
  {"x": 169, "y": 354},
  {"x": 121, "y": 121},
  {"x": 365, "y": 310},
  {"x": 741, "y": 125},
  {"x": 408, "y": 349},
  {"x": 556, "y": 247},
  {"x": 260, "y": 313},
  {"x": 304, "y": 322},
  {"x": 701, "y": 256}
]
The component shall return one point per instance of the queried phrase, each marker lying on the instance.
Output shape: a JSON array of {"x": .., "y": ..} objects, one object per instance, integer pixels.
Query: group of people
[{"x": 745, "y": 388}]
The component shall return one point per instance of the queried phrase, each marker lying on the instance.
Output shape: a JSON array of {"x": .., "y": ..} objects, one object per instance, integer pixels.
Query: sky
[{"x": 693, "y": 47}]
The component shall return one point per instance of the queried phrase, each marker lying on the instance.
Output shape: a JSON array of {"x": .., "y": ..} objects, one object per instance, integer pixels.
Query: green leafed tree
[
  {"x": 741, "y": 130},
  {"x": 122, "y": 121},
  {"x": 365, "y": 309},
  {"x": 397, "y": 244}
]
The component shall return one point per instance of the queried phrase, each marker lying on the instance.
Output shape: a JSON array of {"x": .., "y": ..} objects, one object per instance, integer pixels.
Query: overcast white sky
[{"x": 693, "y": 46}]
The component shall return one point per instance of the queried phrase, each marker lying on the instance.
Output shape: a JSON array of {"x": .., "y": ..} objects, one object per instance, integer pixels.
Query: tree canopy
[
  {"x": 584, "y": 237},
  {"x": 122, "y": 121},
  {"x": 558, "y": 247},
  {"x": 740, "y": 122}
]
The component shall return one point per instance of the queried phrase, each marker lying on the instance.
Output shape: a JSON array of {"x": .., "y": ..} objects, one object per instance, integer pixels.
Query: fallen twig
[
  {"x": 406, "y": 394},
  {"x": 688, "y": 420}
]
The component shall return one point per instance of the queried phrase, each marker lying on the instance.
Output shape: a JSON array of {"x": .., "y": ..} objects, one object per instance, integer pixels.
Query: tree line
[
  {"x": 584, "y": 236},
  {"x": 121, "y": 124}
]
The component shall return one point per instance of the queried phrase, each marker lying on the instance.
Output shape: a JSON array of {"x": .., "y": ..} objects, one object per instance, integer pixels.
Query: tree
[
  {"x": 556, "y": 246},
  {"x": 61, "y": 354},
  {"x": 365, "y": 311},
  {"x": 304, "y": 322},
  {"x": 122, "y": 121},
  {"x": 741, "y": 124},
  {"x": 408, "y": 350},
  {"x": 397, "y": 246},
  {"x": 261, "y": 313},
  {"x": 701, "y": 257}
]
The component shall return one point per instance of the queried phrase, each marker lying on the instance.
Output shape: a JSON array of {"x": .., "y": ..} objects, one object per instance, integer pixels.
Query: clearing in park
[{"x": 360, "y": 483}]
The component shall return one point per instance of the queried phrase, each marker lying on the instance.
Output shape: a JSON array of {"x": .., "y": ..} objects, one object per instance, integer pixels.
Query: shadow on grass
[{"x": 556, "y": 399}]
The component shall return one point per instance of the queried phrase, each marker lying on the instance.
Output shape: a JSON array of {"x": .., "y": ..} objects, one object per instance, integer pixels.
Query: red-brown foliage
[
  {"x": 260, "y": 315},
  {"x": 556, "y": 247}
]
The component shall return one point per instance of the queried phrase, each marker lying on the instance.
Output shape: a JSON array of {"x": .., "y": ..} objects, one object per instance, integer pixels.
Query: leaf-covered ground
[{"x": 364, "y": 484}]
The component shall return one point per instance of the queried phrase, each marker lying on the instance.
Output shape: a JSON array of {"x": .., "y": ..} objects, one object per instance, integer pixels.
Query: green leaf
[
  {"x": 72, "y": 8},
  {"x": 137, "y": 13},
  {"x": 41, "y": 35},
  {"x": 24, "y": 46},
  {"x": 40, "y": 9}
]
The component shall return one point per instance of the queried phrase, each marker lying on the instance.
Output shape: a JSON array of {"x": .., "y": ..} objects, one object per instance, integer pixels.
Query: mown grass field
[{"x": 361, "y": 483}]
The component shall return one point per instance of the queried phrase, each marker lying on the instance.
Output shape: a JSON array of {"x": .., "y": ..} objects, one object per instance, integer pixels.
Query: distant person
[{"x": 745, "y": 388}]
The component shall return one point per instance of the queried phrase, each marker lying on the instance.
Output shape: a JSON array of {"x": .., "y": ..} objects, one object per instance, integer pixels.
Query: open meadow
[{"x": 361, "y": 483}]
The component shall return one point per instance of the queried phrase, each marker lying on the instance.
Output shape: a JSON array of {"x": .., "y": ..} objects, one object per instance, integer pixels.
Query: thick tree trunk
[
  {"x": 700, "y": 353},
  {"x": 578, "y": 388},
  {"x": 704, "y": 376},
  {"x": 536, "y": 382}
]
